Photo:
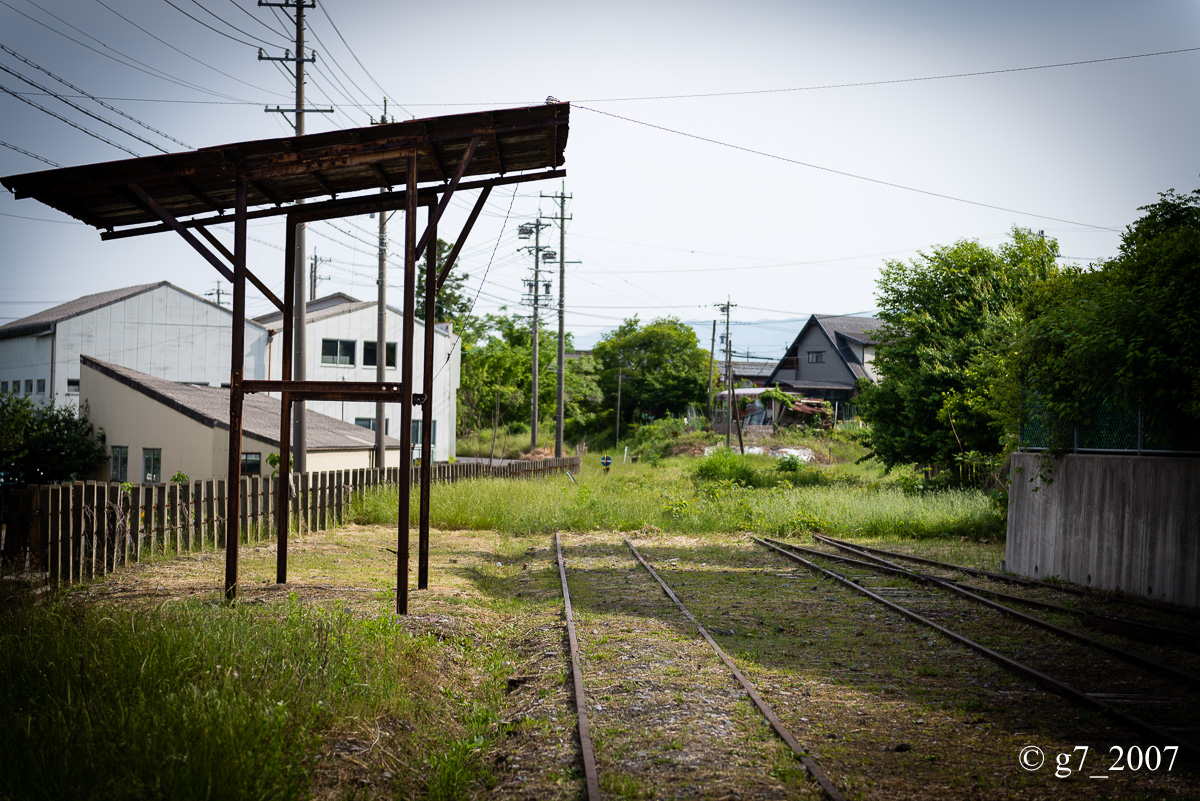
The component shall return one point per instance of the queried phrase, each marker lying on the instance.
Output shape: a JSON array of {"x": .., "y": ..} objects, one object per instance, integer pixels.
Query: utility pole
[
  {"x": 562, "y": 197},
  {"x": 620, "y": 377},
  {"x": 381, "y": 331},
  {"x": 712, "y": 353},
  {"x": 313, "y": 278},
  {"x": 217, "y": 293},
  {"x": 730, "y": 400},
  {"x": 524, "y": 231},
  {"x": 299, "y": 368}
]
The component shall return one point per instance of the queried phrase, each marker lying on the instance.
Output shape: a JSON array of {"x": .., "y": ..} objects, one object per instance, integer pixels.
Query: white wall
[
  {"x": 164, "y": 332},
  {"x": 27, "y": 359},
  {"x": 361, "y": 326}
]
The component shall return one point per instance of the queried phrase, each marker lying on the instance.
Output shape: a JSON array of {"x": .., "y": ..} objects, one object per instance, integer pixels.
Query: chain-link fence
[{"x": 1107, "y": 424}]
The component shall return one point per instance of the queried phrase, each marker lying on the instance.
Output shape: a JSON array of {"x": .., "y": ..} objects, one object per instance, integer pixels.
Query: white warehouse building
[
  {"x": 340, "y": 344},
  {"x": 157, "y": 329}
]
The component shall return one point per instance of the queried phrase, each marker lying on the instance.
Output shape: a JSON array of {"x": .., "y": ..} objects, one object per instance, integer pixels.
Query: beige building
[{"x": 155, "y": 428}]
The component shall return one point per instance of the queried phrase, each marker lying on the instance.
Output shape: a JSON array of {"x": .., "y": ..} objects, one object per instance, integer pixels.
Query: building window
[
  {"x": 416, "y": 433},
  {"x": 369, "y": 354},
  {"x": 251, "y": 463},
  {"x": 72, "y": 386},
  {"x": 4, "y": 386},
  {"x": 816, "y": 357},
  {"x": 151, "y": 465},
  {"x": 337, "y": 351},
  {"x": 369, "y": 422},
  {"x": 41, "y": 385},
  {"x": 119, "y": 469},
  {"x": 28, "y": 386}
]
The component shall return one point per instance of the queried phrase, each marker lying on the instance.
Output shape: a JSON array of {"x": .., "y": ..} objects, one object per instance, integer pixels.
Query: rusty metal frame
[{"x": 245, "y": 172}]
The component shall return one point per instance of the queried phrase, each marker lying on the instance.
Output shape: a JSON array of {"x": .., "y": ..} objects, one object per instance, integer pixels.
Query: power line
[
  {"x": 181, "y": 52},
  {"x": 32, "y": 156},
  {"x": 889, "y": 81},
  {"x": 69, "y": 122},
  {"x": 843, "y": 172},
  {"x": 65, "y": 82},
  {"x": 227, "y": 22},
  {"x": 81, "y": 109},
  {"x": 211, "y": 28},
  {"x": 124, "y": 60},
  {"x": 360, "y": 64}
]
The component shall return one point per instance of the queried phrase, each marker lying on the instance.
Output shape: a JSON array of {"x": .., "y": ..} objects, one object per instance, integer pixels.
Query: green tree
[
  {"x": 452, "y": 304},
  {"x": 660, "y": 365},
  {"x": 1127, "y": 331},
  {"x": 42, "y": 444},
  {"x": 946, "y": 314}
]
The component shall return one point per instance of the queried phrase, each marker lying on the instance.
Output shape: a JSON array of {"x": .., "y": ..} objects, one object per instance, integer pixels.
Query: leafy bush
[{"x": 725, "y": 465}]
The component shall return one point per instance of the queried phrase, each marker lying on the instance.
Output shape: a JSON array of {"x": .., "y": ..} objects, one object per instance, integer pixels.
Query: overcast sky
[{"x": 769, "y": 152}]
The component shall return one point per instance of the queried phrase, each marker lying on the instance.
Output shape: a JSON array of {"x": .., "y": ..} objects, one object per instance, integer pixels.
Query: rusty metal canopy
[{"x": 282, "y": 171}]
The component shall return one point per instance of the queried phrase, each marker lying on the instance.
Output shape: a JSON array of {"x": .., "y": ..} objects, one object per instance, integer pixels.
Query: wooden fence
[{"x": 72, "y": 532}]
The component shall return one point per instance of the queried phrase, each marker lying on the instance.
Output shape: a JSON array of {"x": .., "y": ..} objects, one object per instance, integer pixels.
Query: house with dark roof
[
  {"x": 828, "y": 357},
  {"x": 340, "y": 345},
  {"x": 157, "y": 329},
  {"x": 154, "y": 428}
]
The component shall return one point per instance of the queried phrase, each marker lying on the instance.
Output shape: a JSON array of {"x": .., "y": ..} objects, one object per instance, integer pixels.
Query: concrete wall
[{"x": 1127, "y": 523}]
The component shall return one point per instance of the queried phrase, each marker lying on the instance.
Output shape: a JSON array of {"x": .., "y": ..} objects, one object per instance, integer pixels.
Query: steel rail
[
  {"x": 585, "y": 734},
  {"x": 1049, "y": 682},
  {"x": 923, "y": 578},
  {"x": 806, "y": 759},
  {"x": 1121, "y": 626},
  {"x": 1072, "y": 589}
]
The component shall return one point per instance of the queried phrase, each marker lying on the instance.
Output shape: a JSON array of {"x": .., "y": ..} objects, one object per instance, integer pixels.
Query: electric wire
[
  {"x": 82, "y": 110},
  {"x": 211, "y": 28},
  {"x": 124, "y": 60},
  {"x": 325, "y": 11},
  {"x": 182, "y": 52},
  {"x": 843, "y": 172},
  {"x": 25, "y": 152},
  {"x": 90, "y": 96},
  {"x": 230, "y": 24},
  {"x": 75, "y": 125}
]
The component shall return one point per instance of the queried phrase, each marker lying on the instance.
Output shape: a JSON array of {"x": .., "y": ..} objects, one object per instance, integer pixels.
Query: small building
[
  {"x": 828, "y": 358},
  {"x": 340, "y": 345},
  {"x": 155, "y": 428},
  {"x": 157, "y": 329}
]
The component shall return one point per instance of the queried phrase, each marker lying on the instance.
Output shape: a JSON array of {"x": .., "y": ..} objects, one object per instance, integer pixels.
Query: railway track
[
  {"x": 587, "y": 725},
  {"x": 1153, "y": 698}
]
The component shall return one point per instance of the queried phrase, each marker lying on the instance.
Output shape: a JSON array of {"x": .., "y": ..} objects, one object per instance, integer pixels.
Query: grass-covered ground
[
  {"x": 146, "y": 685},
  {"x": 722, "y": 493}
]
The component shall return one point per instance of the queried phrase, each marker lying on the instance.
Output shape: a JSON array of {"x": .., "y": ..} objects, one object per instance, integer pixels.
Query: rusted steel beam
[
  {"x": 190, "y": 188},
  {"x": 382, "y": 173},
  {"x": 427, "y": 376},
  {"x": 435, "y": 214},
  {"x": 237, "y": 358},
  {"x": 254, "y": 279},
  {"x": 435, "y": 157},
  {"x": 324, "y": 182},
  {"x": 497, "y": 159},
  {"x": 462, "y": 238},
  {"x": 387, "y": 392},
  {"x": 153, "y": 206},
  {"x": 345, "y": 207},
  {"x": 283, "y": 499},
  {"x": 406, "y": 379},
  {"x": 269, "y": 194}
]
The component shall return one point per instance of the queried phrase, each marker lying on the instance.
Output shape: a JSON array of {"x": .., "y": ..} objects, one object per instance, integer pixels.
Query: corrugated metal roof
[
  {"x": 292, "y": 168},
  {"x": 260, "y": 413},
  {"x": 857, "y": 329}
]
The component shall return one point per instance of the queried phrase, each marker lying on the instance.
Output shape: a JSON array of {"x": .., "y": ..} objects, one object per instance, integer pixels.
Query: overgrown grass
[
  {"x": 194, "y": 700},
  {"x": 841, "y": 500}
]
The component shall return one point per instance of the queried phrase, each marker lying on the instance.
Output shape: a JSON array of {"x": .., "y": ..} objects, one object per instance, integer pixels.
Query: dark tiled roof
[
  {"x": 260, "y": 413},
  {"x": 45, "y": 320},
  {"x": 758, "y": 369},
  {"x": 814, "y": 385},
  {"x": 857, "y": 329}
]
